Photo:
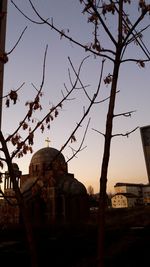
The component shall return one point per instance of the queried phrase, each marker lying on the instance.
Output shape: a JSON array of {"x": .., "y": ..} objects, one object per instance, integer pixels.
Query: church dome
[
  {"x": 71, "y": 186},
  {"x": 47, "y": 158}
]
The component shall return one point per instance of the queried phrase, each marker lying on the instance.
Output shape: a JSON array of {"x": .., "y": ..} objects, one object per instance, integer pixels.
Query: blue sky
[{"x": 127, "y": 162}]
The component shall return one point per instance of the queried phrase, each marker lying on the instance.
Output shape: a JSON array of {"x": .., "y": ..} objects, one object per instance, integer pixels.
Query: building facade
[
  {"x": 52, "y": 193},
  {"x": 129, "y": 195}
]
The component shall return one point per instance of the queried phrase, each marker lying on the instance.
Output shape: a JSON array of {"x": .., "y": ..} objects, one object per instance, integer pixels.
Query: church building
[{"x": 51, "y": 192}]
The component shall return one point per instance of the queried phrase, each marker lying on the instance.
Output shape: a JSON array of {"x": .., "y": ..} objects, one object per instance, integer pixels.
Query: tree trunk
[
  {"x": 105, "y": 162},
  {"x": 22, "y": 206}
]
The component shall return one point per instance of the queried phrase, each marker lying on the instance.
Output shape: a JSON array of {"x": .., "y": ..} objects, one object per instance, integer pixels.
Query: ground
[{"x": 127, "y": 242}]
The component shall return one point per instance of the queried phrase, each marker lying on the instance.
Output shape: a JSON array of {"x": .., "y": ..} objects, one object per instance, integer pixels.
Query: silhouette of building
[{"x": 50, "y": 191}]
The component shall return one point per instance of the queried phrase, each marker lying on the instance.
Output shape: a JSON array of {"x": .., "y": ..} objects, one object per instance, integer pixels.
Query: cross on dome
[{"x": 47, "y": 142}]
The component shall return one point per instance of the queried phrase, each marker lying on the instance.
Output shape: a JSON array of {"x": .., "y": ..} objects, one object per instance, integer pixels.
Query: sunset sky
[{"x": 25, "y": 64}]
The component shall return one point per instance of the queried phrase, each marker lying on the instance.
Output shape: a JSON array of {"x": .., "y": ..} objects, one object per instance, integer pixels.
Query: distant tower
[{"x": 145, "y": 136}]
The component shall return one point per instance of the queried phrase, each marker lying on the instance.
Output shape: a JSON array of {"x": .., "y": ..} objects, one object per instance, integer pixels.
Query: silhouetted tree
[
  {"x": 125, "y": 34},
  {"x": 15, "y": 145},
  {"x": 90, "y": 190}
]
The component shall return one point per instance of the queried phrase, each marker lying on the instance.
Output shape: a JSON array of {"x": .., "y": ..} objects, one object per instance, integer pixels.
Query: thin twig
[
  {"x": 41, "y": 87},
  {"x": 36, "y": 22},
  {"x": 80, "y": 147},
  {"x": 98, "y": 132},
  {"x": 51, "y": 25},
  {"x": 126, "y": 114},
  {"x": 48, "y": 114},
  {"x": 15, "y": 90},
  {"x": 17, "y": 41},
  {"x": 126, "y": 134}
]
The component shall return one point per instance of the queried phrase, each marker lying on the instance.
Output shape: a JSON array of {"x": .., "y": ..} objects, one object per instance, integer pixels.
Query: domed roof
[
  {"x": 50, "y": 159},
  {"x": 15, "y": 166},
  {"x": 46, "y": 155},
  {"x": 71, "y": 186}
]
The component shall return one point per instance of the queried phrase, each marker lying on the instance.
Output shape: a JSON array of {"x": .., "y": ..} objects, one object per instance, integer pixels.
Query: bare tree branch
[
  {"x": 41, "y": 87},
  {"x": 126, "y": 134},
  {"x": 4, "y": 96},
  {"x": 63, "y": 34},
  {"x": 125, "y": 114},
  {"x": 17, "y": 42},
  {"x": 36, "y": 22},
  {"x": 102, "y": 22},
  {"x": 80, "y": 148},
  {"x": 98, "y": 132},
  {"x": 135, "y": 60},
  {"x": 131, "y": 31},
  {"x": 79, "y": 79},
  {"x": 83, "y": 117},
  {"x": 48, "y": 114}
]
